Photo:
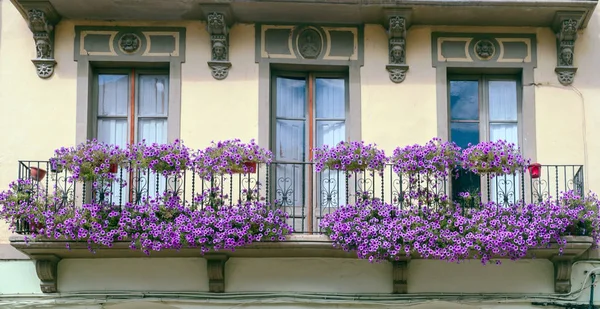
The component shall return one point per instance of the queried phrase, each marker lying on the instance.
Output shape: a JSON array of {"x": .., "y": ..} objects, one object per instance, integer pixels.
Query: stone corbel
[
  {"x": 563, "y": 265},
  {"x": 41, "y": 23},
  {"x": 566, "y": 25},
  {"x": 215, "y": 267},
  {"x": 400, "y": 275},
  {"x": 217, "y": 24},
  {"x": 398, "y": 23},
  {"x": 45, "y": 267}
]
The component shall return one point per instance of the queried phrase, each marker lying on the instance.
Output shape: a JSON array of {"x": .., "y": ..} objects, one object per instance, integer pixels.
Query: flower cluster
[
  {"x": 24, "y": 202},
  {"x": 164, "y": 159},
  {"x": 350, "y": 157},
  {"x": 434, "y": 158},
  {"x": 89, "y": 161},
  {"x": 167, "y": 223},
  {"x": 379, "y": 231},
  {"x": 229, "y": 157},
  {"x": 493, "y": 158}
]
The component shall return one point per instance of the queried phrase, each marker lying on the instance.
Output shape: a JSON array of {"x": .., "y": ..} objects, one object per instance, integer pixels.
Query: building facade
[{"x": 294, "y": 75}]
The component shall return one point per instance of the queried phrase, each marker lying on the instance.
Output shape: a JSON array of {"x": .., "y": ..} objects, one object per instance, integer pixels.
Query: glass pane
[
  {"x": 113, "y": 131},
  {"x": 464, "y": 100},
  {"x": 505, "y": 189},
  {"x": 503, "y": 100},
  {"x": 153, "y": 94},
  {"x": 152, "y": 130},
  {"x": 330, "y": 97},
  {"x": 113, "y": 94},
  {"x": 330, "y": 132},
  {"x": 504, "y": 131},
  {"x": 464, "y": 133},
  {"x": 291, "y": 97},
  {"x": 290, "y": 140}
]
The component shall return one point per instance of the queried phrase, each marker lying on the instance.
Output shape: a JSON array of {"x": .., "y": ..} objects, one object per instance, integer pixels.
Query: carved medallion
[
  {"x": 129, "y": 43},
  {"x": 309, "y": 43},
  {"x": 485, "y": 49}
]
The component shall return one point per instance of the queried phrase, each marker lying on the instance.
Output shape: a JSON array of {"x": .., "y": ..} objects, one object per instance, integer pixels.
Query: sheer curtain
[
  {"x": 290, "y": 143},
  {"x": 152, "y": 113},
  {"x": 504, "y": 126},
  {"x": 330, "y": 105},
  {"x": 113, "y": 106}
]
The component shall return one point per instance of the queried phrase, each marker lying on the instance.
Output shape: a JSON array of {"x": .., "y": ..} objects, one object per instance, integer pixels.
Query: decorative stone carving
[
  {"x": 215, "y": 266},
  {"x": 485, "y": 49},
  {"x": 563, "y": 266},
  {"x": 45, "y": 267},
  {"x": 129, "y": 43},
  {"x": 219, "y": 39},
  {"x": 310, "y": 43},
  {"x": 397, "y": 67},
  {"x": 566, "y": 25},
  {"x": 43, "y": 36},
  {"x": 400, "y": 274}
]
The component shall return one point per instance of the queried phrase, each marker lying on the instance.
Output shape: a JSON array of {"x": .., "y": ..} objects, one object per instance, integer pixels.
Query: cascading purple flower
[
  {"x": 165, "y": 159},
  {"x": 494, "y": 158},
  {"x": 350, "y": 157},
  {"x": 230, "y": 156},
  {"x": 380, "y": 231},
  {"x": 435, "y": 158},
  {"x": 89, "y": 161}
]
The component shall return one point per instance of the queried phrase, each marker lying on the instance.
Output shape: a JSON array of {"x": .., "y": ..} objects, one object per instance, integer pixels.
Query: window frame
[
  {"x": 94, "y": 104},
  {"x": 311, "y": 122},
  {"x": 484, "y": 117}
]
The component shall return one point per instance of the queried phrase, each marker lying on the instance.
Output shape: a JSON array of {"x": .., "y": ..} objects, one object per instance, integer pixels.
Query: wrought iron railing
[{"x": 306, "y": 195}]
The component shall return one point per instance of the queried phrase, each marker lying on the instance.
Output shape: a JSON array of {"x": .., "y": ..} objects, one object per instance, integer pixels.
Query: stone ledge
[{"x": 48, "y": 252}]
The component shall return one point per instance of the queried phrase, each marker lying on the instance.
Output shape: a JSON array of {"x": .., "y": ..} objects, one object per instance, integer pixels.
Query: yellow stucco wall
[{"x": 38, "y": 115}]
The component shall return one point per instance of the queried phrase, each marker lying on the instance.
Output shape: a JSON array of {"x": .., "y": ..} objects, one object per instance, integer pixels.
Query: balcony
[
  {"x": 297, "y": 188},
  {"x": 294, "y": 187}
]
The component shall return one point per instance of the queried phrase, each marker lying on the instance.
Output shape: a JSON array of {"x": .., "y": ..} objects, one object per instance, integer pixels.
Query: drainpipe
[{"x": 591, "y": 306}]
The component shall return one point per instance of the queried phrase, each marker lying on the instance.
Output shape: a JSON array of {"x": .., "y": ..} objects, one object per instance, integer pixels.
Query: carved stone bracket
[
  {"x": 45, "y": 267},
  {"x": 217, "y": 27},
  {"x": 563, "y": 265},
  {"x": 566, "y": 25},
  {"x": 398, "y": 23},
  {"x": 215, "y": 267},
  {"x": 400, "y": 274},
  {"x": 42, "y": 28}
]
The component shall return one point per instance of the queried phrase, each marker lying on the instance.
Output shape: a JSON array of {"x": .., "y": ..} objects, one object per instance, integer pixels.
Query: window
[
  {"x": 307, "y": 110},
  {"x": 131, "y": 106},
  {"x": 485, "y": 108}
]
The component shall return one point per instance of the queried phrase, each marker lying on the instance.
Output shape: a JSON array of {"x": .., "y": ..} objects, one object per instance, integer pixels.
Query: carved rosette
[
  {"x": 566, "y": 35},
  {"x": 43, "y": 37},
  {"x": 219, "y": 40},
  {"x": 485, "y": 49},
  {"x": 397, "y": 67}
]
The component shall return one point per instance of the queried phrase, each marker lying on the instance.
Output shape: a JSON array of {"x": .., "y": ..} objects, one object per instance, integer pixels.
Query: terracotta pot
[
  {"x": 113, "y": 168},
  {"x": 247, "y": 167},
  {"x": 37, "y": 174},
  {"x": 250, "y": 167},
  {"x": 535, "y": 169}
]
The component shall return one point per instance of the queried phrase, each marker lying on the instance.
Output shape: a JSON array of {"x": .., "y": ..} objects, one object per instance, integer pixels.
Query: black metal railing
[{"x": 306, "y": 195}]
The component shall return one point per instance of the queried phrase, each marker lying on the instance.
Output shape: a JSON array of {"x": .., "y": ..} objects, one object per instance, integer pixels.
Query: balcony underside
[
  {"x": 47, "y": 254},
  {"x": 424, "y": 12}
]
